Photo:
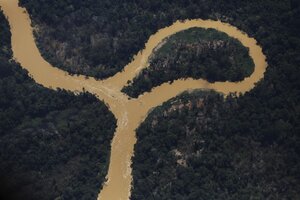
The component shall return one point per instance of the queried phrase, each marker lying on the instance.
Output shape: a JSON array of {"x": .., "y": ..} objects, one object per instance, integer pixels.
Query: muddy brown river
[{"x": 129, "y": 113}]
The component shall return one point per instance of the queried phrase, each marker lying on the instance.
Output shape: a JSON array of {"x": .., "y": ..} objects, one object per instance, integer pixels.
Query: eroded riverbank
[{"x": 129, "y": 113}]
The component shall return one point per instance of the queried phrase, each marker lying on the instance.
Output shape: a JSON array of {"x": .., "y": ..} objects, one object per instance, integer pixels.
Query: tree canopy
[{"x": 53, "y": 144}]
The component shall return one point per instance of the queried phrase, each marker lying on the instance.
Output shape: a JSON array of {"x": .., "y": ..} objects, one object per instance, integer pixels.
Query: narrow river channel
[{"x": 129, "y": 113}]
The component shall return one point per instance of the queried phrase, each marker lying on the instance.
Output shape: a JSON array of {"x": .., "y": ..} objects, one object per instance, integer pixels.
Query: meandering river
[{"x": 129, "y": 113}]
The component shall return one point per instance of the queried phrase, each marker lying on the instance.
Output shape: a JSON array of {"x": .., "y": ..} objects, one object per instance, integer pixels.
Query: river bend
[{"x": 129, "y": 113}]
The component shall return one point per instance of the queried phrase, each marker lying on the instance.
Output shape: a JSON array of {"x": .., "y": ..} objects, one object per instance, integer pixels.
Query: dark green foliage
[
  {"x": 53, "y": 144},
  {"x": 196, "y": 53},
  {"x": 99, "y": 37},
  {"x": 198, "y": 146},
  {"x": 249, "y": 146},
  {"x": 251, "y": 149}
]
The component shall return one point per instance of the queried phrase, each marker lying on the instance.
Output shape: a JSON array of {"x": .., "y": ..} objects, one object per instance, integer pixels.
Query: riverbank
[{"x": 129, "y": 113}]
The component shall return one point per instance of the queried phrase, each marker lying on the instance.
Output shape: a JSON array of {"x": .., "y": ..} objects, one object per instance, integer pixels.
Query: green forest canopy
[
  {"x": 258, "y": 142},
  {"x": 99, "y": 37},
  {"x": 53, "y": 144},
  {"x": 196, "y": 53}
]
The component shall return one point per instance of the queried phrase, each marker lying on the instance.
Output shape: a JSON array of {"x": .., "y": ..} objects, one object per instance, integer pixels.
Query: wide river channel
[{"x": 129, "y": 112}]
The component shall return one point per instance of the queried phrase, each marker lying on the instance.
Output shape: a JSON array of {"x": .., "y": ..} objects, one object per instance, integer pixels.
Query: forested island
[
  {"x": 195, "y": 146},
  {"x": 196, "y": 53},
  {"x": 198, "y": 146},
  {"x": 98, "y": 38},
  {"x": 53, "y": 144}
]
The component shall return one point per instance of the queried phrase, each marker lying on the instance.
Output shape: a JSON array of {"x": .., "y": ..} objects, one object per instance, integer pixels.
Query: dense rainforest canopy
[
  {"x": 99, "y": 37},
  {"x": 196, "y": 53},
  {"x": 53, "y": 144},
  {"x": 196, "y": 146}
]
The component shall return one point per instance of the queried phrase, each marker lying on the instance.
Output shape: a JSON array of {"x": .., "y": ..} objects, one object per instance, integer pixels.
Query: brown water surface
[{"x": 129, "y": 113}]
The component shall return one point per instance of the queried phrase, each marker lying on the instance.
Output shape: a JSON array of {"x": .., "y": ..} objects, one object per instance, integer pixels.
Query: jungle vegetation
[
  {"x": 194, "y": 53},
  {"x": 53, "y": 144},
  {"x": 202, "y": 146},
  {"x": 238, "y": 148}
]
